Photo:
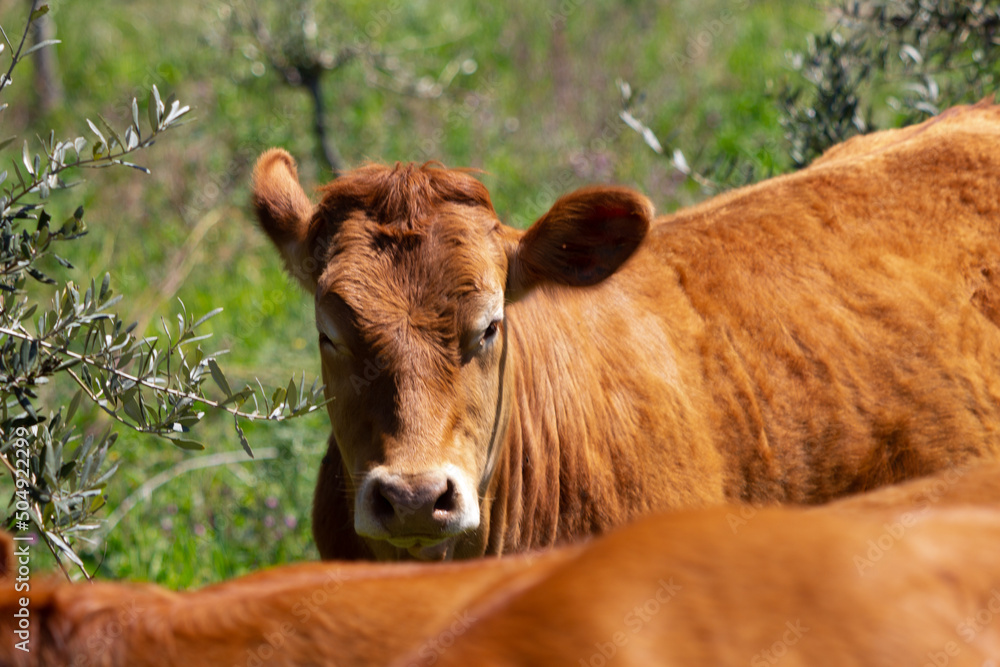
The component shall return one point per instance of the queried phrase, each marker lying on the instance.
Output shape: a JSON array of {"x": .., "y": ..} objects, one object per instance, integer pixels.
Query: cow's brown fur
[
  {"x": 964, "y": 486},
  {"x": 333, "y": 614},
  {"x": 815, "y": 335},
  {"x": 904, "y": 577},
  {"x": 788, "y": 587}
]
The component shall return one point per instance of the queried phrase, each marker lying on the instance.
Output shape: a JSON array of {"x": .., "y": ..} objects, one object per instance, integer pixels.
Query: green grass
[{"x": 538, "y": 109}]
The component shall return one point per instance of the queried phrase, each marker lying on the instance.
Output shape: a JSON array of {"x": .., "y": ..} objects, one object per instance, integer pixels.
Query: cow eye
[
  {"x": 325, "y": 342},
  {"x": 490, "y": 333}
]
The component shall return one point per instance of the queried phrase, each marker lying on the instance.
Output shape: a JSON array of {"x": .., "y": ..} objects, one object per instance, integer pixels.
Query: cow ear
[
  {"x": 284, "y": 211},
  {"x": 584, "y": 238}
]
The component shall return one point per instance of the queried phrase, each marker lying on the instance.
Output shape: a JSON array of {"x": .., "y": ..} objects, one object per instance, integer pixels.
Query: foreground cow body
[
  {"x": 789, "y": 588},
  {"x": 335, "y": 615},
  {"x": 818, "y": 334},
  {"x": 911, "y": 580}
]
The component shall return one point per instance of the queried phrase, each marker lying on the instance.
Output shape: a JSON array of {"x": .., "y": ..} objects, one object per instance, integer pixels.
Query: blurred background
[{"x": 543, "y": 97}]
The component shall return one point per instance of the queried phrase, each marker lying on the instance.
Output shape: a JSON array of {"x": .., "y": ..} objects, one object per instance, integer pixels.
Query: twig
[
  {"x": 38, "y": 512},
  {"x": 56, "y": 555},
  {"x": 145, "y": 383},
  {"x": 91, "y": 162},
  {"x": 15, "y": 58}
]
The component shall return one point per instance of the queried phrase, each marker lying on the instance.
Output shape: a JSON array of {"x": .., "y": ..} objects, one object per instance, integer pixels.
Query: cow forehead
[
  {"x": 457, "y": 253},
  {"x": 433, "y": 280},
  {"x": 415, "y": 228}
]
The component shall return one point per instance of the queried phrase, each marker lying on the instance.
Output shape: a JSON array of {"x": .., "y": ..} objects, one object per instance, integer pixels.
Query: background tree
[
  {"x": 888, "y": 64},
  {"x": 48, "y": 84},
  {"x": 154, "y": 385},
  {"x": 881, "y": 64},
  {"x": 289, "y": 38}
]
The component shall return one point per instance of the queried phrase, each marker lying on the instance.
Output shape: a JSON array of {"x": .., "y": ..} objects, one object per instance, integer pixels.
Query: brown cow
[
  {"x": 899, "y": 582},
  {"x": 332, "y": 614},
  {"x": 789, "y": 588},
  {"x": 818, "y": 334}
]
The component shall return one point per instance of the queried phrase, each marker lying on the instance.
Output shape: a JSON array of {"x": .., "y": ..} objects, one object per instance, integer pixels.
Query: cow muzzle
[{"x": 420, "y": 512}]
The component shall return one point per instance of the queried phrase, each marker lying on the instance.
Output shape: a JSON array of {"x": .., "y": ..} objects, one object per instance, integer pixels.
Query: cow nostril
[
  {"x": 447, "y": 501},
  {"x": 382, "y": 506},
  {"x": 422, "y": 505}
]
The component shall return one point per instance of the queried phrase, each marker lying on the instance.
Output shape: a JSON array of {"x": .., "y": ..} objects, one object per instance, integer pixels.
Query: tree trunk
[
  {"x": 326, "y": 148},
  {"x": 48, "y": 85}
]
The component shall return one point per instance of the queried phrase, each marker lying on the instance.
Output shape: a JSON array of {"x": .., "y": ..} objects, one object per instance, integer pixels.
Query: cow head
[{"x": 411, "y": 271}]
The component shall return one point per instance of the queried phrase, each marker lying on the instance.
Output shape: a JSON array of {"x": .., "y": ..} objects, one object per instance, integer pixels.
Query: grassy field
[{"x": 527, "y": 92}]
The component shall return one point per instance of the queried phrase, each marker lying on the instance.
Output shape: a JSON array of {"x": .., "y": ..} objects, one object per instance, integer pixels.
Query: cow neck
[{"x": 493, "y": 452}]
